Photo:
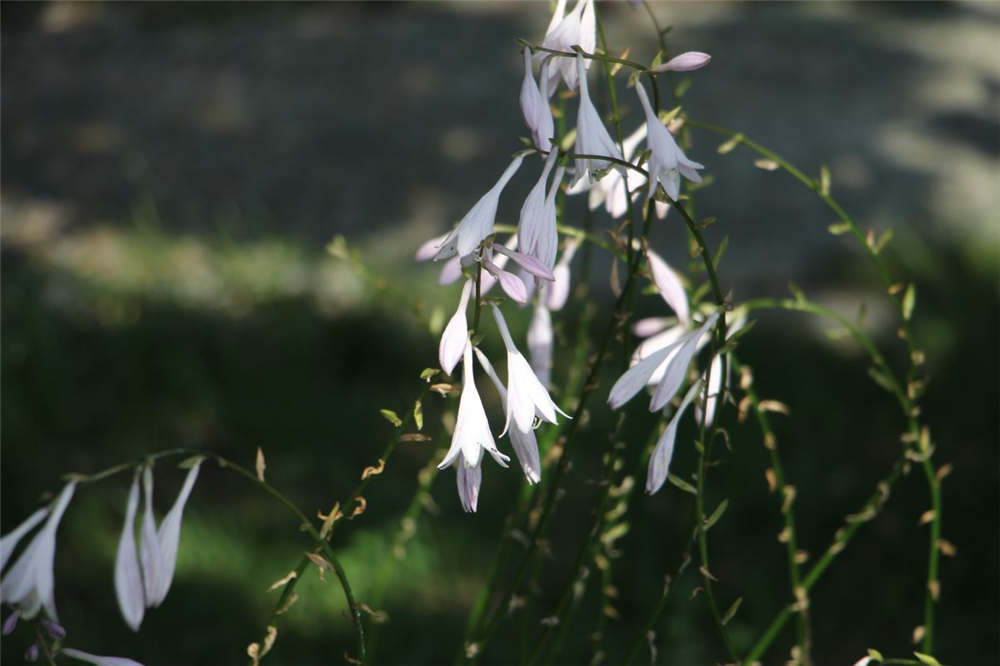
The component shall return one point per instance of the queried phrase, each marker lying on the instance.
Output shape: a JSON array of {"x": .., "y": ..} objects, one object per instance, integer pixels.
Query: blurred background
[{"x": 172, "y": 174}]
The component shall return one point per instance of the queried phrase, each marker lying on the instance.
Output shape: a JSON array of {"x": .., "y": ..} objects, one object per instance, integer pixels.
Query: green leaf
[
  {"x": 882, "y": 379},
  {"x": 729, "y": 145},
  {"x": 418, "y": 415},
  {"x": 909, "y": 300},
  {"x": 721, "y": 251},
  {"x": 838, "y": 228},
  {"x": 926, "y": 659},
  {"x": 732, "y": 611},
  {"x": 682, "y": 484},
  {"x": 714, "y": 518},
  {"x": 706, "y": 222},
  {"x": 682, "y": 87},
  {"x": 800, "y": 296},
  {"x": 391, "y": 417},
  {"x": 875, "y": 654},
  {"x": 428, "y": 374},
  {"x": 882, "y": 241}
]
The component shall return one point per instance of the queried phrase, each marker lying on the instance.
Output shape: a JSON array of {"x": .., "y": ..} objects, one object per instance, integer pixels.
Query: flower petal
[
  {"x": 540, "y": 340},
  {"x": 128, "y": 578},
  {"x": 636, "y": 377},
  {"x": 10, "y": 541},
  {"x": 469, "y": 479},
  {"x": 97, "y": 659},
  {"x": 149, "y": 544},
  {"x": 169, "y": 534},
  {"x": 659, "y": 461},
  {"x": 456, "y": 333},
  {"x": 669, "y": 284},
  {"x": 677, "y": 368}
]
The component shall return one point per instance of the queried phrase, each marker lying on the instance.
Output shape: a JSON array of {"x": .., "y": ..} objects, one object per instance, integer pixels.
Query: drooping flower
[
  {"x": 685, "y": 62},
  {"x": 667, "y": 162},
  {"x": 577, "y": 28},
  {"x": 526, "y": 396},
  {"x": 525, "y": 444},
  {"x": 535, "y": 104},
  {"x": 554, "y": 294},
  {"x": 669, "y": 284},
  {"x": 659, "y": 461},
  {"x": 472, "y": 433},
  {"x": 468, "y": 478},
  {"x": 636, "y": 377},
  {"x": 540, "y": 341},
  {"x": 150, "y": 555},
  {"x": 29, "y": 585},
  {"x": 536, "y": 228},
  {"x": 169, "y": 535},
  {"x": 512, "y": 285},
  {"x": 97, "y": 659},
  {"x": 456, "y": 333},
  {"x": 10, "y": 541},
  {"x": 592, "y": 136},
  {"x": 478, "y": 222},
  {"x": 128, "y": 577}
]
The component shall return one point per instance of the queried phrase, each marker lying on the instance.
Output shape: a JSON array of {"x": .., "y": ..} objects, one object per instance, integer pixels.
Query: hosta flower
[
  {"x": 685, "y": 62},
  {"x": 667, "y": 162},
  {"x": 669, "y": 284},
  {"x": 535, "y": 104},
  {"x": 636, "y": 377},
  {"x": 526, "y": 396},
  {"x": 468, "y": 478},
  {"x": 659, "y": 461},
  {"x": 29, "y": 584},
  {"x": 525, "y": 444},
  {"x": 456, "y": 333},
  {"x": 128, "y": 576},
  {"x": 97, "y": 659},
  {"x": 536, "y": 228},
  {"x": 472, "y": 433},
  {"x": 478, "y": 222},
  {"x": 554, "y": 294},
  {"x": 577, "y": 28},
  {"x": 9, "y": 542},
  {"x": 592, "y": 136},
  {"x": 540, "y": 340}
]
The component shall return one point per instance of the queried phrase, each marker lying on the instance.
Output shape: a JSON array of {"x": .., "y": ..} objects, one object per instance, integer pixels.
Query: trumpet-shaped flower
[
  {"x": 128, "y": 576},
  {"x": 525, "y": 444},
  {"x": 468, "y": 478},
  {"x": 456, "y": 333},
  {"x": 478, "y": 222},
  {"x": 636, "y": 377},
  {"x": 536, "y": 228},
  {"x": 592, "y": 136},
  {"x": 169, "y": 535},
  {"x": 472, "y": 429},
  {"x": 10, "y": 541},
  {"x": 667, "y": 162},
  {"x": 526, "y": 396},
  {"x": 535, "y": 104},
  {"x": 29, "y": 585},
  {"x": 659, "y": 461},
  {"x": 577, "y": 28}
]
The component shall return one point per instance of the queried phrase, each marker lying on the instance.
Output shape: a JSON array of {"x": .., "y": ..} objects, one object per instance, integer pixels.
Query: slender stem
[{"x": 590, "y": 56}]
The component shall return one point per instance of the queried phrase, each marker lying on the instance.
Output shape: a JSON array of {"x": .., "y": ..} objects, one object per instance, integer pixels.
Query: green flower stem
[
  {"x": 535, "y": 48},
  {"x": 788, "y": 514}
]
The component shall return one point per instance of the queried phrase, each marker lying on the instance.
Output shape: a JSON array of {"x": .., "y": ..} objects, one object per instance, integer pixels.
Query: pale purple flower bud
[
  {"x": 592, "y": 136},
  {"x": 643, "y": 328},
  {"x": 540, "y": 341},
  {"x": 472, "y": 429},
  {"x": 685, "y": 62},
  {"x": 469, "y": 478},
  {"x": 525, "y": 394},
  {"x": 96, "y": 659},
  {"x": 429, "y": 248},
  {"x": 659, "y": 461},
  {"x": 451, "y": 271},
  {"x": 556, "y": 293},
  {"x": 30, "y": 583},
  {"x": 667, "y": 162},
  {"x": 525, "y": 444},
  {"x": 128, "y": 577},
  {"x": 456, "y": 333},
  {"x": 10, "y": 541},
  {"x": 31, "y": 654},
  {"x": 510, "y": 283},
  {"x": 535, "y": 105},
  {"x": 528, "y": 263},
  {"x": 169, "y": 535},
  {"x": 478, "y": 222},
  {"x": 10, "y": 624},
  {"x": 670, "y": 286},
  {"x": 55, "y": 630}
]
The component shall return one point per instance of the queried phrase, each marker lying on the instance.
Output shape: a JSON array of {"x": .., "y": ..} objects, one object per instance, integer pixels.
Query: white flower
[
  {"x": 97, "y": 659},
  {"x": 128, "y": 577},
  {"x": 468, "y": 478},
  {"x": 670, "y": 286},
  {"x": 169, "y": 535},
  {"x": 685, "y": 62},
  {"x": 30, "y": 583},
  {"x": 10, "y": 541},
  {"x": 554, "y": 294},
  {"x": 636, "y": 377},
  {"x": 525, "y": 444},
  {"x": 478, "y": 222},
  {"x": 592, "y": 136},
  {"x": 456, "y": 333},
  {"x": 667, "y": 162},
  {"x": 526, "y": 396},
  {"x": 472, "y": 429},
  {"x": 540, "y": 341},
  {"x": 659, "y": 461},
  {"x": 535, "y": 104},
  {"x": 536, "y": 228},
  {"x": 578, "y": 28}
]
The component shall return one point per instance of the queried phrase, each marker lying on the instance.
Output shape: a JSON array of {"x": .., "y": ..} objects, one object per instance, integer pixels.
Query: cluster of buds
[{"x": 471, "y": 250}]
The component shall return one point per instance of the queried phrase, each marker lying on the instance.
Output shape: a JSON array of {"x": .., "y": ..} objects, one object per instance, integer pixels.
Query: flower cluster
[
  {"x": 471, "y": 250},
  {"x": 142, "y": 576}
]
